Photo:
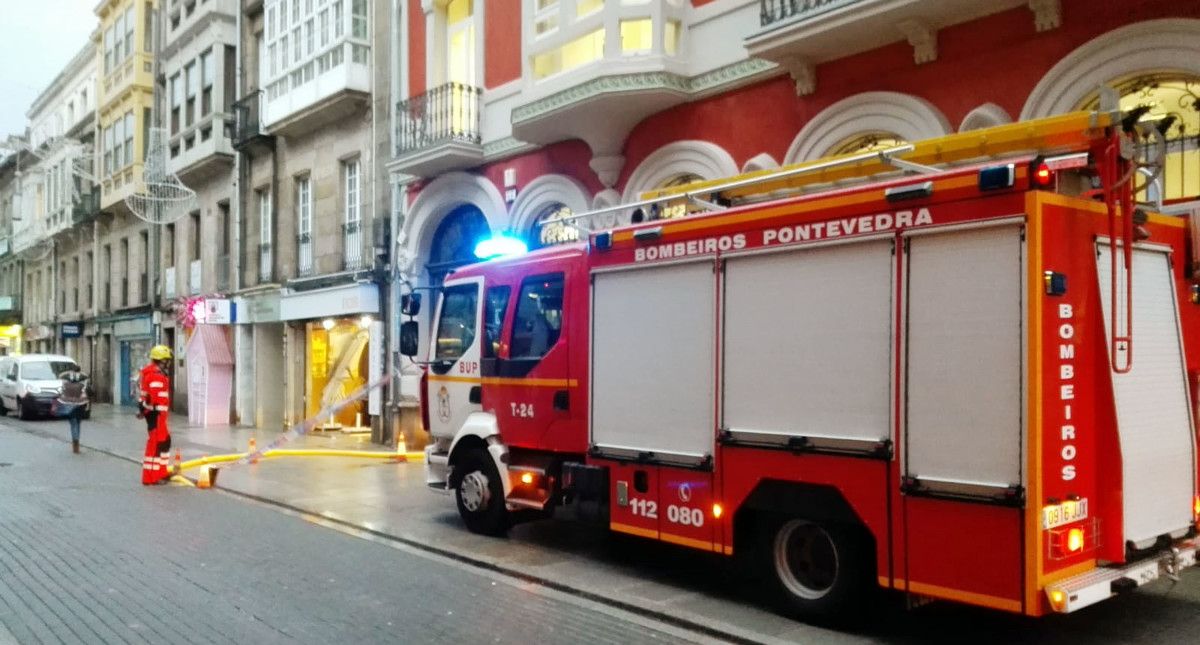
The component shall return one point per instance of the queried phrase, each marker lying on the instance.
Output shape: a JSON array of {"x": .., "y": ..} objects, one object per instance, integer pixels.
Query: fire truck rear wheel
[
  {"x": 818, "y": 570},
  {"x": 480, "y": 494}
]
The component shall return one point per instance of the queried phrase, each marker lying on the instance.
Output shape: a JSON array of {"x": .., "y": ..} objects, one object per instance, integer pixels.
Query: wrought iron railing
[
  {"x": 445, "y": 113},
  {"x": 352, "y": 244},
  {"x": 247, "y": 125},
  {"x": 265, "y": 263},
  {"x": 304, "y": 254},
  {"x": 772, "y": 11}
]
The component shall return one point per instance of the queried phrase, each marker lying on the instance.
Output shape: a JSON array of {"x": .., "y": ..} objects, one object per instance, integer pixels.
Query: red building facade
[{"x": 510, "y": 111}]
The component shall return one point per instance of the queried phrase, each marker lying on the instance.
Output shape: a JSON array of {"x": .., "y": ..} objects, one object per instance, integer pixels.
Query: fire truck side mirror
[
  {"x": 408, "y": 338},
  {"x": 410, "y": 304}
]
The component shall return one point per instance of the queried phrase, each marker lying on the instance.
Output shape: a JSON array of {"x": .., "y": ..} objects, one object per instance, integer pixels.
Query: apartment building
[
  {"x": 309, "y": 310},
  {"x": 123, "y": 321},
  {"x": 197, "y": 56}
]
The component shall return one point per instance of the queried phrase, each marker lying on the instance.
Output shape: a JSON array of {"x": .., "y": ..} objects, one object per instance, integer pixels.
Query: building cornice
[{"x": 85, "y": 56}]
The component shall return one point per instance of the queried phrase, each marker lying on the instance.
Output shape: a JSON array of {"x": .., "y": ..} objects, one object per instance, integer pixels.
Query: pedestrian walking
[
  {"x": 155, "y": 401},
  {"x": 72, "y": 403}
]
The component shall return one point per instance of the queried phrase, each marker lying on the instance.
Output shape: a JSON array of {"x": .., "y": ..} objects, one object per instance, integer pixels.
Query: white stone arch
[
  {"x": 703, "y": 158},
  {"x": 605, "y": 199},
  {"x": 442, "y": 196},
  {"x": 542, "y": 191},
  {"x": 908, "y": 117},
  {"x": 760, "y": 161},
  {"x": 1166, "y": 45},
  {"x": 984, "y": 116}
]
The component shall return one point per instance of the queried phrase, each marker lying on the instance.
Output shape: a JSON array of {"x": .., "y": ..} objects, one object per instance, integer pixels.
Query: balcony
[
  {"x": 354, "y": 259},
  {"x": 248, "y": 132},
  {"x": 266, "y": 267},
  {"x": 201, "y": 150},
  {"x": 438, "y": 131},
  {"x": 596, "y": 76},
  {"x": 800, "y": 34},
  {"x": 304, "y": 255},
  {"x": 330, "y": 87},
  {"x": 187, "y": 19},
  {"x": 87, "y": 207}
]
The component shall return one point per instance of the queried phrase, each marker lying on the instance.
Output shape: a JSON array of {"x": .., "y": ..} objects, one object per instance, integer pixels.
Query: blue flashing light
[{"x": 500, "y": 245}]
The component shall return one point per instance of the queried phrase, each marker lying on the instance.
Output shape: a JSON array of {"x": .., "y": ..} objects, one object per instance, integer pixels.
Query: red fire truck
[{"x": 964, "y": 369}]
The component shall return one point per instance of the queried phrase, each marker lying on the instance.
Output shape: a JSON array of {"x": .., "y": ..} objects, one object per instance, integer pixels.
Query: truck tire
[
  {"x": 818, "y": 571},
  {"x": 480, "y": 494}
]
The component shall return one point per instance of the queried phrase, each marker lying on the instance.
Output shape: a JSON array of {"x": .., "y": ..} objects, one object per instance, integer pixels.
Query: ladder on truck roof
[{"x": 1106, "y": 133}]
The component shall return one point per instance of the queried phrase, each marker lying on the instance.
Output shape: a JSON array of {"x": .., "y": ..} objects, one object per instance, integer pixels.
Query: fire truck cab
[{"x": 963, "y": 369}]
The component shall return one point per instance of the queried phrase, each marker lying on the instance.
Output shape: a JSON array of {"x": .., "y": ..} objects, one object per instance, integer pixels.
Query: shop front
[
  {"x": 10, "y": 340},
  {"x": 335, "y": 332},
  {"x": 134, "y": 337},
  {"x": 71, "y": 334},
  {"x": 260, "y": 349}
]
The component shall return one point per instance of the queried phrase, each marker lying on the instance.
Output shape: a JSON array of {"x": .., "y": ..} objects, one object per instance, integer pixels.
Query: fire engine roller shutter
[
  {"x": 807, "y": 349},
  {"x": 653, "y": 333},
  {"x": 1152, "y": 401},
  {"x": 964, "y": 312}
]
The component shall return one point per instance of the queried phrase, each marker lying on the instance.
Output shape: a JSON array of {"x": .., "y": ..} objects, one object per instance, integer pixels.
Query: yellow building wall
[{"x": 129, "y": 85}]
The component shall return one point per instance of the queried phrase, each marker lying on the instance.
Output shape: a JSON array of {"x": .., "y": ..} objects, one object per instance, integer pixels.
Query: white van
[{"x": 29, "y": 383}]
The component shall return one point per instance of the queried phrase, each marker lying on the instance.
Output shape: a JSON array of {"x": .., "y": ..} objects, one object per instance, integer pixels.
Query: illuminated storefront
[
  {"x": 10, "y": 339},
  {"x": 334, "y": 345},
  {"x": 337, "y": 366}
]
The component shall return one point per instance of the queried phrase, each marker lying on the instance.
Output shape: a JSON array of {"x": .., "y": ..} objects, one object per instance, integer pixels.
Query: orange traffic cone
[
  {"x": 205, "y": 480},
  {"x": 178, "y": 463},
  {"x": 401, "y": 451},
  {"x": 253, "y": 449}
]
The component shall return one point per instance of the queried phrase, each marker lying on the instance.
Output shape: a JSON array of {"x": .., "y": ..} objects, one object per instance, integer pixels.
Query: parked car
[{"x": 29, "y": 383}]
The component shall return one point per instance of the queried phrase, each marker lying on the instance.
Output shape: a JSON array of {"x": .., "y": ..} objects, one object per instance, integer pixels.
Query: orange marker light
[
  {"x": 527, "y": 478},
  {"x": 1074, "y": 540},
  {"x": 1056, "y": 599},
  {"x": 717, "y": 510},
  {"x": 1196, "y": 506}
]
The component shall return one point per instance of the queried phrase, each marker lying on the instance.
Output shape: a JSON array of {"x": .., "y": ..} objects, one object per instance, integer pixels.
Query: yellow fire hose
[{"x": 299, "y": 452}]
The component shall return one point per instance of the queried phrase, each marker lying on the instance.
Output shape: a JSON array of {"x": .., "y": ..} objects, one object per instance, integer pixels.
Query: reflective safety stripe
[
  {"x": 160, "y": 408},
  {"x": 156, "y": 384}
]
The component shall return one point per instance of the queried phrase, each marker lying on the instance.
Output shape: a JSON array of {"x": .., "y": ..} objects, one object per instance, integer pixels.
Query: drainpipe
[{"x": 236, "y": 248}]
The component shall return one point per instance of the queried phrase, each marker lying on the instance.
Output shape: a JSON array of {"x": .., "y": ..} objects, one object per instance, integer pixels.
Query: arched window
[
  {"x": 867, "y": 142},
  {"x": 454, "y": 241},
  {"x": 1173, "y": 100}
]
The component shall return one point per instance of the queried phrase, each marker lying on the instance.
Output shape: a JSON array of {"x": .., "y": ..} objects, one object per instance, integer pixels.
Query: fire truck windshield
[{"x": 456, "y": 328}]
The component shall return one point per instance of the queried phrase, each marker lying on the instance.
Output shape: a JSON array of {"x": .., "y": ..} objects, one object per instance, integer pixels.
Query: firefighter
[{"x": 155, "y": 401}]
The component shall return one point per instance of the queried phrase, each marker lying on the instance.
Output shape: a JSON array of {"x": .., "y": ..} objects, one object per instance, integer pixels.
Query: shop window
[
  {"x": 456, "y": 329},
  {"x": 494, "y": 308},
  {"x": 538, "y": 322},
  {"x": 1173, "y": 101}
]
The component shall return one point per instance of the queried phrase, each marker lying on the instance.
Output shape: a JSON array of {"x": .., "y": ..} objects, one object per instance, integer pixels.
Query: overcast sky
[{"x": 37, "y": 39}]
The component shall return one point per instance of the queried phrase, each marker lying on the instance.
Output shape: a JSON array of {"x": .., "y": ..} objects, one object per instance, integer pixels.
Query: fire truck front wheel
[
  {"x": 818, "y": 570},
  {"x": 480, "y": 494}
]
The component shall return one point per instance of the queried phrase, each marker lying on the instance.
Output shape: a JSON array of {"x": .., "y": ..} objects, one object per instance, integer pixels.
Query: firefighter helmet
[{"x": 160, "y": 353}]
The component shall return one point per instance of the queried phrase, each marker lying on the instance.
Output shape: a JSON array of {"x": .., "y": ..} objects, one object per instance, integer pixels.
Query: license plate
[{"x": 1064, "y": 513}]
